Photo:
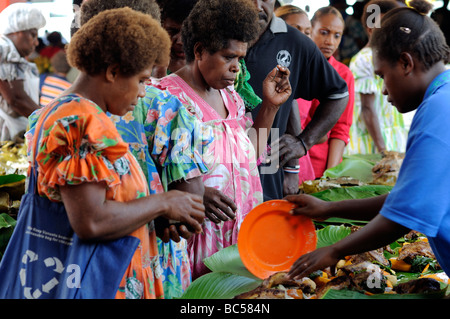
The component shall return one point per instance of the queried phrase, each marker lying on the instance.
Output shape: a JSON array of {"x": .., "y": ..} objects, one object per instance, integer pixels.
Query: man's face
[{"x": 265, "y": 12}]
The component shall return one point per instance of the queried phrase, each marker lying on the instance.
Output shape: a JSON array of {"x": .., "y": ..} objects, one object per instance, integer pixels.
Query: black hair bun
[{"x": 422, "y": 6}]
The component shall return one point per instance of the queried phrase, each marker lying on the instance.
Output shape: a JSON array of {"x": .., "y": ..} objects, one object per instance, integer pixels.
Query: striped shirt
[{"x": 52, "y": 86}]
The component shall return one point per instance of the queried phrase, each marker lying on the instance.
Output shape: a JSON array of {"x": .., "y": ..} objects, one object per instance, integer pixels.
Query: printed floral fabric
[
  {"x": 80, "y": 144},
  {"x": 392, "y": 127},
  {"x": 231, "y": 160},
  {"x": 165, "y": 138}
]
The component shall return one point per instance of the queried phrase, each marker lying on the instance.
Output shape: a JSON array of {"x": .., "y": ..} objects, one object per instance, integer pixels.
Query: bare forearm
[
  {"x": 16, "y": 97},
  {"x": 335, "y": 152},
  {"x": 114, "y": 220},
  {"x": 378, "y": 233},
  {"x": 371, "y": 120},
  {"x": 93, "y": 217},
  {"x": 294, "y": 126},
  {"x": 23, "y": 105},
  {"x": 194, "y": 186},
  {"x": 359, "y": 209},
  {"x": 324, "y": 118}
]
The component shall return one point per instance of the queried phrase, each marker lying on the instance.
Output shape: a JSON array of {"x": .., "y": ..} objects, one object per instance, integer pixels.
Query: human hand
[
  {"x": 286, "y": 148},
  {"x": 309, "y": 206},
  {"x": 218, "y": 206},
  {"x": 186, "y": 208},
  {"x": 276, "y": 86},
  {"x": 316, "y": 260},
  {"x": 170, "y": 230}
]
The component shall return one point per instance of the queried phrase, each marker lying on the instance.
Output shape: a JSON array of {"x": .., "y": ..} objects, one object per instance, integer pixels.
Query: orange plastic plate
[{"x": 271, "y": 240}]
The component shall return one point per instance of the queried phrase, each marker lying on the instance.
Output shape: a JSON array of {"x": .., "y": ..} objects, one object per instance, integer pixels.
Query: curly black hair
[
  {"x": 128, "y": 38},
  {"x": 177, "y": 10},
  {"x": 215, "y": 22},
  {"x": 409, "y": 29},
  {"x": 93, "y": 7}
]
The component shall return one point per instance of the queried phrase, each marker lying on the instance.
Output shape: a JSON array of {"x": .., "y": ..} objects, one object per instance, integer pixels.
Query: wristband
[
  {"x": 292, "y": 172},
  {"x": 292, "y": 169},
  {"x": 303, "y": 144}
]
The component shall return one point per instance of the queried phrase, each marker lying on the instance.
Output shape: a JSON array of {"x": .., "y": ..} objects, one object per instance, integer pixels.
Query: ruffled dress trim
[{"x": 79, "y": 144}]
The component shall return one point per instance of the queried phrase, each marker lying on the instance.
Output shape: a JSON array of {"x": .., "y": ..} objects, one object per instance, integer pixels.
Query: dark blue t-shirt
[{"x": 312, "y": 77}]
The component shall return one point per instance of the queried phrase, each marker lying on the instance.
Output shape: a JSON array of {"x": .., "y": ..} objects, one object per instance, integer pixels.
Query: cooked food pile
[
  {"x": 13, "y": 158},
  {"x": 369, "y": 273},
  {"x": 385, "y": 172},
  {"x": 278, "y": 286}
]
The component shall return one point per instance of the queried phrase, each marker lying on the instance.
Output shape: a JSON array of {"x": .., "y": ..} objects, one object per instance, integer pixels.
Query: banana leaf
[
  {"x": 356, "y": 166},
  {"x": 228, "y": 260},
  {"x": 219, "y": 285},
  {"x": 352, "y": 192},
  {"x": 352, "y": 294},
  {"x": 13, "y": 184},
  {"x": 331, "y": 234},
  {"x": 11, "y": 179}
]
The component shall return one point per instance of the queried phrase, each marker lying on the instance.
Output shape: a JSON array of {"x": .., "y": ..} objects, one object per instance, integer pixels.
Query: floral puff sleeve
[
  {"x": 176, "y": 139},
  {"x": 78, "y": 144}
]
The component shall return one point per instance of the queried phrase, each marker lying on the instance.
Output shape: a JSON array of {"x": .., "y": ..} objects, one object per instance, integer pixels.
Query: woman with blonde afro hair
[
  {"x": 83, "y": 160},
  {"x": 129, "y": 40}
]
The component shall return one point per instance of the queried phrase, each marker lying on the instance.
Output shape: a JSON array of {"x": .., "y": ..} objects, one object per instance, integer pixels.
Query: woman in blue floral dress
[{"x": 168, "y": 143}]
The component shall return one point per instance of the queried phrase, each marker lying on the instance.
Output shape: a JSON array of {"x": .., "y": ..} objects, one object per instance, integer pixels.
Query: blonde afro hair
[{"x": 124, "y": 37}]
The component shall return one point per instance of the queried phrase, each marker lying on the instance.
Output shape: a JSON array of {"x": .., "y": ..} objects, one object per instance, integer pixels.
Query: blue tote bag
[{"x": 45, "y": 259}]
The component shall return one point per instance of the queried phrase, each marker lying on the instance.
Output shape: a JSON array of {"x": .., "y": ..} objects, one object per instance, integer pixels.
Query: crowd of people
[{"x": 184, "y": 115}]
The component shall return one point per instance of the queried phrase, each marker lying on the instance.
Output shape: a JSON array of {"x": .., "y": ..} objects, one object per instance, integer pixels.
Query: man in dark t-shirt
[{"x": 312, "y": 77}]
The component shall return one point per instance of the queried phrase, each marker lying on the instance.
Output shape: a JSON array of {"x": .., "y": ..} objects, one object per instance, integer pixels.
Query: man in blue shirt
[{"x": 410, "y": 54}]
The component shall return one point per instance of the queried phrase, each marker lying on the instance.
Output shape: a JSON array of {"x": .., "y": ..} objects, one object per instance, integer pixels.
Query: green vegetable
[
  {"x": 7, "y": 224},
  {"x": 419, "y": 263}
]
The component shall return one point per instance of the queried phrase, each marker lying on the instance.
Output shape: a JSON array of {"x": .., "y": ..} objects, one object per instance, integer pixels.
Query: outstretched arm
[
  {"x": 378, "y": 233},
  {"x": 358, "y": 209},
  {"x": 93, "y": 217}
]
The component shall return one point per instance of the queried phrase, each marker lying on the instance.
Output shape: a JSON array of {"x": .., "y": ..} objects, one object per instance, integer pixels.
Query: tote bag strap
[{"x": 32, "y": 184}]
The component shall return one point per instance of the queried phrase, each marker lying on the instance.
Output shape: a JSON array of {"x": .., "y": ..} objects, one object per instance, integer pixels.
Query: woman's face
[
  {"x": 126, "y": 91},
  {"x": 25, "y": 41},
  {"x": 219, "y": 70},
  {"x": 327, "y": 34},
  {"x": 177, "y": 55},
  {"x": 299, "y": 21},
  {"x": 396, "y": 85}
]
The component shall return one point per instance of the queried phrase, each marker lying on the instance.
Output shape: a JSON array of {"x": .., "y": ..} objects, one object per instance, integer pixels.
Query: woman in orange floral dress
[{"x": 82, "y": 158}]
